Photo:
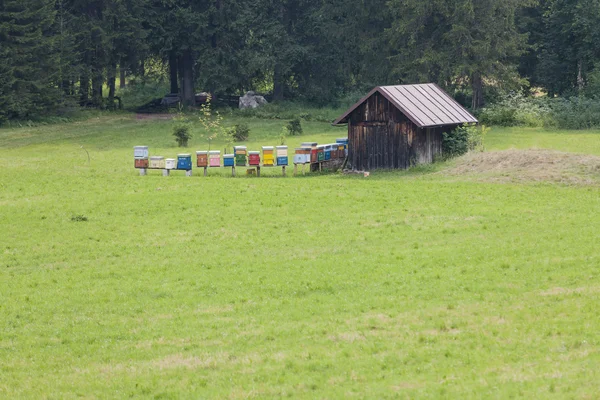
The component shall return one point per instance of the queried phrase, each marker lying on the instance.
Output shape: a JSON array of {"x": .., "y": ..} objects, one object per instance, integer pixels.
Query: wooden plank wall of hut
[{"x": 381, "y": 137}]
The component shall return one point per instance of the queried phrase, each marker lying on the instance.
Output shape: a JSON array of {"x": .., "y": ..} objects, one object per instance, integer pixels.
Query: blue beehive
[
  {"x": 282, "y": 161},
  {"x": 328, "y": 152},
  {"x": 228, "y": 160},
  {"x": 184, "y": 161}
]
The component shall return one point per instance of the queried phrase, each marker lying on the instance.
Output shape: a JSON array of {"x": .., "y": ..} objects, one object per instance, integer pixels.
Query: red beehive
[
  {"x": 141, "y": 163},
  {"x": 254, "y": 157}
]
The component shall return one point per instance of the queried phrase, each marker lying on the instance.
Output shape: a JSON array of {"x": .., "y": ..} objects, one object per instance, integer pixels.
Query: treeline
[{"x": 58, "y": 52}]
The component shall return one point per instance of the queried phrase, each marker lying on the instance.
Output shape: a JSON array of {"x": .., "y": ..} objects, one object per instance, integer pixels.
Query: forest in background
[{"x": 57, "y": 55}]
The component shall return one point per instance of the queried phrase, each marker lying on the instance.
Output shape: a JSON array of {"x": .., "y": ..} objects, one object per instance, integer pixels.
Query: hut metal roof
[{"x": 426, "y": 105}]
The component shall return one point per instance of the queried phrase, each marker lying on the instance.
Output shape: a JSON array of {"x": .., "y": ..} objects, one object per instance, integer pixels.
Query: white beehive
[
  {"x": 171, "y": 163},
  {"x": 140, "y": 151}
]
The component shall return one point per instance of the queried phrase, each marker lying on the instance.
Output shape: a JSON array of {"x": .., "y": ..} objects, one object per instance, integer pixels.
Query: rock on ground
[{"x": 251, "y": 100}]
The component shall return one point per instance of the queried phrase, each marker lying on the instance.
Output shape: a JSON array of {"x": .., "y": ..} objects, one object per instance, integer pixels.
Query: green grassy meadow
[{"x": 401, "y": 285}]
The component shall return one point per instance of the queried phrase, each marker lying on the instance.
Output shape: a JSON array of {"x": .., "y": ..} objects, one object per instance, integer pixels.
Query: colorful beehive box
[
  {"x": 202, "y": 159},
  {"x": 184, "y": 161},
  {"x": 170, "y": 163},
  {"x": 268, "y": 156},
  {"x": 228, "y": 160},
  {"x": 313, "y": 155},
  {"x": 282, "y": 161},
  {"x": 341, "y": 152},
  {"x": 343, "y": 142},
  {"x": 305, "y": 153},
  {"x": 299, "y": 156},
  {"x": 327, "y": 152},
  {"x": 282, "y": 151},
  {"x": 141, "y": 163},
  {"x": 334, "y": 151},
  {"x": 214, "y": 158},
  {"x": 157, "y": 162},
  {"x": 140, "y": 151},
  {"x": 321, "y": 153},
  {"x": 254, "y": 158},
  {"x": 240, "y": 153}
]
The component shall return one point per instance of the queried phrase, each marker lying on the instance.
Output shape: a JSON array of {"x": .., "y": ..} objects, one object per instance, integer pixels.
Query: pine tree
[
  {"x": 457, "y": 41},
  {"x": 28, "y": 70}
]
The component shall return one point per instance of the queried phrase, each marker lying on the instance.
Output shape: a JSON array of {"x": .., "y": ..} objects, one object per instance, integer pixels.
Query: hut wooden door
[{"x": 378, "y": 145}]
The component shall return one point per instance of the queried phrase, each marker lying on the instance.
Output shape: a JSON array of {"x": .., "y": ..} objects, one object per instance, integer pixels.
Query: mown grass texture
[{"x": 405, "y": 284}]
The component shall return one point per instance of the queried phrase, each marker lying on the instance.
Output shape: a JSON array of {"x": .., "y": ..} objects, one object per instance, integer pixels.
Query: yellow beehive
[{"x": 268, "y": 156}]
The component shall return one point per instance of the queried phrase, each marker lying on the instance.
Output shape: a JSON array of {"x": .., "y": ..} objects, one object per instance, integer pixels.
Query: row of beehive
[
  {"x": 312, "y": 152},
  {"x": 143, "y": 160},
  {"x": 241, "y": 158}
]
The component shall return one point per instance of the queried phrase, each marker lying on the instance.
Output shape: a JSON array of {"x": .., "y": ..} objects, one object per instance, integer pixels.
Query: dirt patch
[{"x": 529, "y": 166}]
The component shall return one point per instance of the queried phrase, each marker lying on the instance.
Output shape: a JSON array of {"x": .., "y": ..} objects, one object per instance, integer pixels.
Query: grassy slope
[{"x": 321, "y": 286}]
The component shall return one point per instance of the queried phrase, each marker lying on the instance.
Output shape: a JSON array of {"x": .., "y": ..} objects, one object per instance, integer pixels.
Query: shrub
[
  {"x": 575, "y": 113},
  {"x": 517, "y": 110},
  {"x": 294, "y": 127},
  {"x": 240, "y": 132},
  {"x": 463, "y": 139},
  {"x": 182, "y": 134},
  {"x": 455, "y": 143}
]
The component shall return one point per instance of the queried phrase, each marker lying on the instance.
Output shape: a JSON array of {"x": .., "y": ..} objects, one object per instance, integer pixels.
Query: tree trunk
[
  {"x": 187, "y": 87},
  {"x": 97, "y": 81},
  {"x": 477, "y": 86},
  {"x": 122, "y": 82},
  {"x": 84, "y": 89},
  {"x": 112, "y": 82},
  {"x": 580, "y": 80},
  {"x": 278, "y": 84},
  {"x": 173, "y": 67},
  {"x": 66, "y": 87}
]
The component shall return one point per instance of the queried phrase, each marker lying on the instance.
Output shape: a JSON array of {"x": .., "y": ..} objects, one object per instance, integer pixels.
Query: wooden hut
[{"x": 394, "y": 127}]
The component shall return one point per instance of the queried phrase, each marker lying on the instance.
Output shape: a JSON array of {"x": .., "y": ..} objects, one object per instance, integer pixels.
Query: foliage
[
  {"x": 236, "y": 133},
  {"x": 575, "y": 113},
  {"x": 181, "y": 128},
  {"x": 28, "y": 62},
  {"x": 139, "y": 92},
  {"x": 457, "y": 42},
  {"x": 563, "y": 113},
  {"x": 388, "y": 283},
  {"x": 517, "y": 110},
  {"x": 294, "y": 127},
  {"x": 182, "y": 133},
  {"x": 240, "y": 132},
  {"x": 463, "y": 139},
  {"x": 211, "y": 121},
  {"x": 315, "y": 54}
]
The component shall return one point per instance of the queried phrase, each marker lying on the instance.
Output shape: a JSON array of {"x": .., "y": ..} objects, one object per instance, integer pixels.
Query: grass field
[{"x": 402, "y": 285}]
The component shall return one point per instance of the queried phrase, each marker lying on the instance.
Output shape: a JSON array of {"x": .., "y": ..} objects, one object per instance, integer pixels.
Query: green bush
[
  {"x": 517, "y": 110},
  {"x": 563, "y": 113},
  {"x": 463, "y": 139},
  {"x": 294, "y": 127},
  {"x": 575, "y": 113},
  {"x": 182, "y": 134},
  {"x": 240, "y": 132}
]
